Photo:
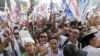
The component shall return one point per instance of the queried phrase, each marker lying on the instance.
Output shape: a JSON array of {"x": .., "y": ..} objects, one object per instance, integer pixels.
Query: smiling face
[{"x": 53, "y": 44}]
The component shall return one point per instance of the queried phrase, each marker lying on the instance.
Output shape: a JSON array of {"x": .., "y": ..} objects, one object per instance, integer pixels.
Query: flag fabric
[
  {"x": 52, "y": 7},
  {"x": 1, "y": 19},
  {"x": 84, "y": 6},
  {"x": 23, "y": 8},
  {"x": 67, "y": 10},
  {"x": 73, "y": 5},
  {"x": 14, "y": 45},
  {"x": 14, "y": 10},
  {"x": 6, "y": 11},
  {"x": 42, "y": 8},
  {"x": 63, "y": 1}
]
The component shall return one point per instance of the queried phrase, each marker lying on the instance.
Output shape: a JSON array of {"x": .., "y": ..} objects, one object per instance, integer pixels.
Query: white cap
[
  {"x": 93, "y": 30},
  {"x": 27, "y": 40},
  {"x": 16, "y": 31}
]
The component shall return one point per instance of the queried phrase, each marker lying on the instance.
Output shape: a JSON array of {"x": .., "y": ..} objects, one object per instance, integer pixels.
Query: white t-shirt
[
  {"x": 92, "y": 51},
  {"x": 1, "y": 54},
  {"x": 60, "y": 52},
  {"x": 63, "y": 39}
]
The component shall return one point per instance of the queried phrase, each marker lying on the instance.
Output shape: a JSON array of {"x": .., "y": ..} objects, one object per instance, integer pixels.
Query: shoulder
[{"x": 63, "y": 37}]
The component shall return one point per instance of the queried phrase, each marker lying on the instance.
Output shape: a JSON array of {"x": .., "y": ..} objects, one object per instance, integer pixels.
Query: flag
[
  {"x": 14, "y": 10},
  {"x": 1, "y": 19},
  {"x": 68, "y": 11},
  {"x": 84, "y": 6},
  {"x": 63, "y": 1},
  {"x": 73, "y": 5},
  {"x": 23, "y": 9},
  {"x": 6, "y": 11},
  {"x": 52, "y": 7},
  {"x": 29, "y": 4}
]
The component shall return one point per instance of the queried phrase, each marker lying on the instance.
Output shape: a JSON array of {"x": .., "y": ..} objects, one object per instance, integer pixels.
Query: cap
[
  {"x": 16, "y": 32},
  {"x": 93, "y": 30},
  {"x": 27, "y": 40}
]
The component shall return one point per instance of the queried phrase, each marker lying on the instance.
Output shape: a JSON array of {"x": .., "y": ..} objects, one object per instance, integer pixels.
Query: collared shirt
[
  {"x": 60, "y": 53},
  {"x": 92, "y": 51},
  {"x": 25, "y": 54},
  {"x": 76, "y": 44},
  {"x": 63, "y": 39}
]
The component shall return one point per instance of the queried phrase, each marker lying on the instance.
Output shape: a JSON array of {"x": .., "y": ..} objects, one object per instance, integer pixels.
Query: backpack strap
[
  {"x": 66, "y": 41},
  {"x": 79, "y": 45}
]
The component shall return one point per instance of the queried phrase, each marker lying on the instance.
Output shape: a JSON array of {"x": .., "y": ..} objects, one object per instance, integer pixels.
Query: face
[
  {"x": 43, "y": 39},
  {"x": 16, "y": 36},
  {"x": 74, "y": 34},
  {"x": 29, "y": 47},
  {"x": 94, "y": 42},
  {"x": 53, "y": 44}
]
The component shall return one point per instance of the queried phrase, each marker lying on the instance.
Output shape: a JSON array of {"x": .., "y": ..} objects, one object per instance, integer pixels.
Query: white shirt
[
  {"x": 1, "y": 54},
  {"x": 60, "y": 52},
  {"x": 76, "y": 44},
  {"x": 92, "y": 51},
  {"x": 63, "y": 39}
]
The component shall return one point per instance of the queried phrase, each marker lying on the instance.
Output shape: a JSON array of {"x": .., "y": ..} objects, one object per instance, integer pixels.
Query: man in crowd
[
  {"x": 73, "y": 39},
  {"x": 92, "y": 44},
  {"x": 29, "y": 45},
  {"x": 44, "y": 39},
  {"x": 54, "y": 49}
]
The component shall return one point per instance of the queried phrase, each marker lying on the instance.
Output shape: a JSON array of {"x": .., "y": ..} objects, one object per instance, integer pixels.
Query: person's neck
[
  {"x": 55, "y": 51},
  {"x": 93, "y": 45},
  {"x": 73, "y": 41}
]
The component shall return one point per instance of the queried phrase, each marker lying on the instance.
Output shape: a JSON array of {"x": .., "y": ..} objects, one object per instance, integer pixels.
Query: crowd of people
[{"x": 50, "y": 37}]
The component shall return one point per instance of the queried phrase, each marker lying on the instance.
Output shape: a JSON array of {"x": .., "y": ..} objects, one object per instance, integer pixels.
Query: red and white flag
[
  {"x": 74, "y": 8},
  {"x": 14, "y": 10}
]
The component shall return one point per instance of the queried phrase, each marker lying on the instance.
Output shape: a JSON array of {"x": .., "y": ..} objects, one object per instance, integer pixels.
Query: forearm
[{"x": 58, "y": 33}]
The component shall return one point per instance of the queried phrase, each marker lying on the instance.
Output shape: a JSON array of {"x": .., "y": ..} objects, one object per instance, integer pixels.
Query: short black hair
[{"x": 53, "y": 38}]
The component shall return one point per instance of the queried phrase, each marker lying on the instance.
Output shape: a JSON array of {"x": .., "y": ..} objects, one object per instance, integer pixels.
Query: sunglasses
[{"x": 43, "y": 36}]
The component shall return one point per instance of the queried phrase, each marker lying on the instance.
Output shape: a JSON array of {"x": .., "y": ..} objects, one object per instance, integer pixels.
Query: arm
[
  {"x": 3, "y": 45},
  {"x": 64, "y": 19},
  {"x": 64, "y": 30}
]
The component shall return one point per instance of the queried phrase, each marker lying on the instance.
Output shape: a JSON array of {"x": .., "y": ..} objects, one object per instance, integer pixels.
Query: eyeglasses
[
  {"x": 74, "y": 32},
  {"x": 43, "y": 36}
]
